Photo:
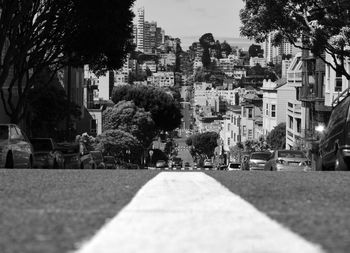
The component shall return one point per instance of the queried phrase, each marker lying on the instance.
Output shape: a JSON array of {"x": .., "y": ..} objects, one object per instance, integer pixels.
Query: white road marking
[{"x": 193, "y": 213}]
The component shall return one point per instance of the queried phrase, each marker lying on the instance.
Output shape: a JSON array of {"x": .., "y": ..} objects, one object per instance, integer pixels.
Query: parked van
[{"x": 334, "y": 145}]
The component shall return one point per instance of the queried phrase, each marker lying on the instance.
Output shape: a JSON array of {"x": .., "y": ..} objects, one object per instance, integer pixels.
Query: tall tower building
[{"x": 140, "y": 29}]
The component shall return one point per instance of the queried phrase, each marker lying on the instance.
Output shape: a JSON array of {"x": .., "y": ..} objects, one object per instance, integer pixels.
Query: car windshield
[
  {"x": 260, "y": 156},
  {"x": 41, "y": 144},
  {"x": 291, "y": 154},
  {"x": 4, "y": 132}
]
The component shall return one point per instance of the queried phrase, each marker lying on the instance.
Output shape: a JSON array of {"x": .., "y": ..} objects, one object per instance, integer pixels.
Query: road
[{"x": 56, "y": 210}]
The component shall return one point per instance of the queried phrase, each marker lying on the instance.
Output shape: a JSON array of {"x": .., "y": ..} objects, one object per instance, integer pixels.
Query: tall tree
[
  {"x": 38, "y": 34},
  {"x": 225, "y": 47},
  {"x": 207, "y": 40},
  {"x": 206, "y": 58},
  {"x": 120, "y": 144},
  {"x": 47, "y": 105},
  {"x": 165, "y": 111},
  {"x": 323, "y": 24},
  {"x": 255, "y": 51},
  {"x": 126, "y": 116},
  {"x": 276, "y": 139},
  {"x": 203, "y": 144}
]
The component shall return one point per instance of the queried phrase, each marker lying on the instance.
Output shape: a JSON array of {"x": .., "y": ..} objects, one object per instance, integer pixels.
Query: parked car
[
  {"x": 161, "y": 164},
  {"x": 46, "y": 154},
  {"x": 187, "y": 165},
  {"x": 288, "y": 160},
  {"x": 16, "y": 151},
  {"x": 208, "y": 164},
  {"x": 234, "y": 166},
  {"x": 110, "y": 162},
  {"x": 222, "y": 167},
  {"x": 177, "y": 162},
  {"x": 334, "y": 147},
  {"x": 97, "y": 158},
  {"x": 76, "y": 156},
  {"x": 257, "y": 160}
]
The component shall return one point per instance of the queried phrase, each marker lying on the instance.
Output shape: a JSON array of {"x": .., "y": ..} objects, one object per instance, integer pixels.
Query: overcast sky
[{"x": 194, "y": 17}]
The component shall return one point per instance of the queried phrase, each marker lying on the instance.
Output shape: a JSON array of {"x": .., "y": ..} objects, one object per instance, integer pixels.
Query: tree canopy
[
  {"x": 276, "y": 139},
  {"x": 118, "y": 143},
  {"x": 165, "y": 111},
  {"x": 323, "y": 26},
  {"x": 47, "y": 105},
  {"x": 38, "y": 34},
  {"x": 126, "y": 116},
  {"x": 255, "y": 51},
  {"x": 203, "y": 144}
]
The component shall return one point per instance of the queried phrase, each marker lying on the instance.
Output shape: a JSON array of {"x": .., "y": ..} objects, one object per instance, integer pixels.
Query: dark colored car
[
  {"x": 177, "y": 162},
  {"x": 76, "y": 156},
  {"x": 97, "y": 158},
  {"x": 257, "y": 160},
  {"x": 110, "y": 162},
  {"x": 288, "y": 160},
  {"x": 46, "y": 154},
  {"x": 187, "y": 165},
  {"x": 334, "y": 147}
]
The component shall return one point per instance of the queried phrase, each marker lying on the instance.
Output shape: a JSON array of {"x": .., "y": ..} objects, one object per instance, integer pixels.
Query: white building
[
  {"x": 140, "y": 28},
  {"x": 162, "y": 79},
  {"x": 294, "y": 113},
  {"x": 230, "y": 130},
  {"x": 269, "y": 106},
  {"x": 253, "y": 61},
  {"x": 335, "y": 84}
]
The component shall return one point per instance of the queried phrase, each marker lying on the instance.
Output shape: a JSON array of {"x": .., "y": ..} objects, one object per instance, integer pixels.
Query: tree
[
  {"x": 206, "y": 58},
  {"x": 225, "y": 47},
  {"x": 165, "y": 111},
  {"x": 203, "y": 144},
  {"x": 255, "y": 51},
  {"x": 47, "y": 105},
  {"x": 276, "y": 139},
  {"x": 119, "y": 144},
  {"x": 324, "y": 26},
  {"x": 207, "y": 40},
  {"x": 38, "y": 34},
  {"x": 127, "y": 117}
]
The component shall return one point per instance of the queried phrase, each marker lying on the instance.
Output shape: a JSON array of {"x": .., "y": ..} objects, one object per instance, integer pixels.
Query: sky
[{"x": 184, "y": 18}]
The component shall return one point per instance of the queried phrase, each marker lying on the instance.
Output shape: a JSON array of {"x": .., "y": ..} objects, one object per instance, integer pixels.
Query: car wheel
[
  {"x": 339, "y": 163},
  {"x": 9, "y": 161}
]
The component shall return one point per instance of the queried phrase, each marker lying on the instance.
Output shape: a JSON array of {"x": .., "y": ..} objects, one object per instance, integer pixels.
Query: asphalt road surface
[{"x": 59, "y": 211}]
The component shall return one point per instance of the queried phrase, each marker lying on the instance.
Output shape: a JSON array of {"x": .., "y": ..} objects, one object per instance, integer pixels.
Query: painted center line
[{"x": 191, "y": 212}]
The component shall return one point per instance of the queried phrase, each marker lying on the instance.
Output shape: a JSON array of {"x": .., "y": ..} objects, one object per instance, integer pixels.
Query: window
[
  {"x": 93, "y": 126},
  {"x": 290, "y": 122},
  {"x": 228, "y": 126},
  {"x": 231, "y": 134},
  {"x": 250, "y": 113},
  {"x": 244, "y": 112},
  {"x": 338, "y": 82},
  {"x": 250, "y": 134},
  {"x": 234, "y": 121},
  {"x": 244, "y": 130},
  {"x": 234, "y": 136},
  {"x": 228, "y": 141},
  {"x": 267, "y": 109},
  {"x": 298, "y": 125},
  {"x": 273, "y": 111}
]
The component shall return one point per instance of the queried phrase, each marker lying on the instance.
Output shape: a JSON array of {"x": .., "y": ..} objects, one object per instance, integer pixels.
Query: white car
[{"x": 16, "y": 151}]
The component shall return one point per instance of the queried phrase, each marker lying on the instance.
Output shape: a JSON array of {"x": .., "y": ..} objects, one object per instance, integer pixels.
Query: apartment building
[
  {"x": 294, "y": 112},
  {"x": 140, "y": 27},
  {"x": 251, "y": 122},
  {"x": 162, "y": 79},
  {"x": 231, "y": 127},
  {"x": 253, "y": 61},
  {"x": 269, "y": 106}
]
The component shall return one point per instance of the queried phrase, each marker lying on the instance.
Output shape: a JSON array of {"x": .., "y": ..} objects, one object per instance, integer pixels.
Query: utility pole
[{"x": 69, "y": 94}]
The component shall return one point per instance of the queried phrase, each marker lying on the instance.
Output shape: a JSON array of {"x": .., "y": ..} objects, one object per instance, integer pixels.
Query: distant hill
[{"x": 187, "y": 41}]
